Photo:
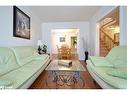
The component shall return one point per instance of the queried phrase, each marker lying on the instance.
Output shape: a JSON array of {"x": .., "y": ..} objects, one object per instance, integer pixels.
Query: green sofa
[
  {"x": 20, "y": 66},
  {"x": 110, "y": 71}
]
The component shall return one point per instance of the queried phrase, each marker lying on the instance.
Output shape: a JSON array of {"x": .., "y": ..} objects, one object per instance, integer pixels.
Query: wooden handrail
[
  {"x": 109, "y": 41},
  {"x": 108, "y": 23},
  {"x": 107, "y": 35}
]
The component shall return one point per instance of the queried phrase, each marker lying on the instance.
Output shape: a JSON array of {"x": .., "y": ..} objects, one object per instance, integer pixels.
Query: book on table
[{"x": 67, "y": 63}]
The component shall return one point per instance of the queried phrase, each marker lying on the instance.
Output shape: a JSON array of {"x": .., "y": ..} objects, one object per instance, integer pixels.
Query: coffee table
[{"x": 63, "y": 75}]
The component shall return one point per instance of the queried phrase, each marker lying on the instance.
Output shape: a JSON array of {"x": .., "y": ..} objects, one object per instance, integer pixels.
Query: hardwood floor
[{"x": 40, "y": 82}]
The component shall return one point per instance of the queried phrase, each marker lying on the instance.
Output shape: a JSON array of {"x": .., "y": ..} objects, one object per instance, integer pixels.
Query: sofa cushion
[
  {"x": 24, "y": 51},
  {"x": 1, "y": 61},
  {"x": 119, "y": 63},
  {"x": 39, "y": 57},
  {"x": 23, "y": 54},
  {"x": 121, "y": 73},
  {"x": 21, "y": 75},
  {"x": 100, "y": 61},
  {"x": 18, "y": 65},
  {"x": 117, "y": 79},
  {"x": 5, "y": 83},
  {"x": 37, "y": 63},
  {"x": 119, "y": 52},
  {"x": 101, "y": 72},
  {"x": 25, "y": 61},
  {"x": 34, "y": 57},
  {"x": 8, "y": 61}
]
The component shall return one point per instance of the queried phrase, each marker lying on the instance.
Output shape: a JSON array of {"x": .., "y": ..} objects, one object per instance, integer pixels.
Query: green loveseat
[
  {"x": 20, "y": 66},
  {"x": 110, "y": 71}
]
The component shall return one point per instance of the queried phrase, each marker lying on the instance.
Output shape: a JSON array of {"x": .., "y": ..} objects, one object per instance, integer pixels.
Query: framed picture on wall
[
  {"x": 21, "y": 24},
  {"x": 62, "y": 39}
]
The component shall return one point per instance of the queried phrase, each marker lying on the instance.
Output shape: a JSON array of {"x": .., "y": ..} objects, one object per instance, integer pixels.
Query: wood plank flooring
[{"x": 40, "y": 82}]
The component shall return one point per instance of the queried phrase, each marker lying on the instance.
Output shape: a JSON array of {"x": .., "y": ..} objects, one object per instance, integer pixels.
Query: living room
[{"x": 43, "y": 20}]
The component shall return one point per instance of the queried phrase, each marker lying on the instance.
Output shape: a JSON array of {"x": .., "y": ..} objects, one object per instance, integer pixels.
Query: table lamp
[{"x": 39, "y": 46}]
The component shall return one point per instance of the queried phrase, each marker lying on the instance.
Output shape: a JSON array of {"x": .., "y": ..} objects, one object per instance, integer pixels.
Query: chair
[
  {"x": 69, "y": 53},
  {"x": 64, "y": 52},
  {"x": 59, "y": 52}
]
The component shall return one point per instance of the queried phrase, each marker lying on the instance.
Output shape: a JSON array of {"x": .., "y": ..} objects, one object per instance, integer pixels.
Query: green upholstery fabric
[
  {"x": 101, "y": 72},
  {"x": 37, "y": 57},
  {"x": 112, "y": 76},
  {"x": 19, "y": 64},
  {"x": 19, "y": 76},
  {"x": 23, "y": 53},
  {"x": 24, "y": 73},
  {"x": 25, "y": 61},
  {"x": 120, "y": 63},
  {"x": 118, "y": 56},
  {"x": 119, "y": 52},
  {"x": 28, "y": 50},
  {"x": 4, "y": 83},
  {"x": 30, "y": 54},
  {"x": 8, "y": 61},
  {"x": 1, "y": 61},
  {"x": 100, "y": 61},
  {"x": 118, "y": 73}
]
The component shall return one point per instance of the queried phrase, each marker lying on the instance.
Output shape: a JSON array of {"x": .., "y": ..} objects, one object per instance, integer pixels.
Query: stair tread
[{"x": 103, "y": 49}]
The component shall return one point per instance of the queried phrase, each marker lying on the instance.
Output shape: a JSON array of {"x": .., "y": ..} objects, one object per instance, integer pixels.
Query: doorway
[
  {"x": 74, "y": 44},
  {"x": 109, "y": 32},
  {"x": 64, "y": 38}
]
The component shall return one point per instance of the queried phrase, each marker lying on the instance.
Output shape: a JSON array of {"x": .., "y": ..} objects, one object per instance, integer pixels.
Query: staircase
[
  {"x": 106, "y": 41},
  {"x": 103, "y": 48}
]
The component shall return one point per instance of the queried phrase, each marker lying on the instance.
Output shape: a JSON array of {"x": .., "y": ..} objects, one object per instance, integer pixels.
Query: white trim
[{"x": 97, "y": 40}]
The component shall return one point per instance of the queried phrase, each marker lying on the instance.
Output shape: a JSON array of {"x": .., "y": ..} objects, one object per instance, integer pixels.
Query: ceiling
[
  {"x": 114, "y": 15},
  {"x": 64, "y": 13},
  {"x": 65, "y": 30}
]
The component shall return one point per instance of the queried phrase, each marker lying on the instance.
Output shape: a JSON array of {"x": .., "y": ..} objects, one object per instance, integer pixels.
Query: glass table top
[{"x": 76, "y": 66}]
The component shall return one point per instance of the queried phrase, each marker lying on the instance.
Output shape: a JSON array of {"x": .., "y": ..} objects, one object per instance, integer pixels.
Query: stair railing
[
  {"x": 108, "y": 23},
  {"x": 110, "y": 43}
]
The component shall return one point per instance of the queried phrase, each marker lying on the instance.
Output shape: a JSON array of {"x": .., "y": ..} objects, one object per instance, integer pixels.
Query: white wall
[
  {"x": 94, "y": 34},
  {"x": 83, "y": 33},
  {"x": 56, "y": 39},
  {"x": 123, "y": 25},
  {"x": 6, "y": 28}
]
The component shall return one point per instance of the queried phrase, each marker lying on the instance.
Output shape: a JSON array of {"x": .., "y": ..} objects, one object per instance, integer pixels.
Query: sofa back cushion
[
  {"x": 121, "y": 73},
  {"x": 118, "y": 56},
  {"x": 24, "y": 51},
  {"x": 7, "y": 60},
  {"x": 100, "y": 61},
  {"x": 23, "y": 54}
]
